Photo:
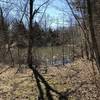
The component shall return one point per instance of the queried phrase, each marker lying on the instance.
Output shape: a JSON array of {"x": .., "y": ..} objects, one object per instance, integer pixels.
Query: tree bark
[
  {"x": 29, "y": 59},
  {"x": 93, "y": 36}
]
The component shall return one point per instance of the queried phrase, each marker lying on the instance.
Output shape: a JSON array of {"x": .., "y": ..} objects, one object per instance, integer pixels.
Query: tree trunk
[
  {"x": 29, "y": 59},
  {"x": 93, "y": 37}
]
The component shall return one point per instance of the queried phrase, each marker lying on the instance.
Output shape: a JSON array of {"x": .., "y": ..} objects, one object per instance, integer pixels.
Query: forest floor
[{"x": 77, "y": 76}]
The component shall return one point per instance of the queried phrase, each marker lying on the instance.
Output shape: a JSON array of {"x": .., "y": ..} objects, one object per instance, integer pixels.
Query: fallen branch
[{"x": 5, "y": 70}]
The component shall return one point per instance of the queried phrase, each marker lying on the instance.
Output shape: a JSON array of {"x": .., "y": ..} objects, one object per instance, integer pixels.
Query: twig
[{"x": 5, "y": 70}]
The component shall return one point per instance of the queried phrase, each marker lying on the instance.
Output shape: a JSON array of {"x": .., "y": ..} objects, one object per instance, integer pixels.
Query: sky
[{"x": 54, "y": 10}]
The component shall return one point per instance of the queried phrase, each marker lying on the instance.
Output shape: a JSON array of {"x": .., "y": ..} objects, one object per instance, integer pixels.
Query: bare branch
[{"x": 36, "y": 10}]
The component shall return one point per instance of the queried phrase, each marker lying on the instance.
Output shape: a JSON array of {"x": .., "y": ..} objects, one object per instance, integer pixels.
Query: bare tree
[{"x": 93, "y": 37}]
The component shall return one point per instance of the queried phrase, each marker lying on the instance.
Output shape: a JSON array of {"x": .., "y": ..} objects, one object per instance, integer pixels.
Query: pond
[{"x": 59, "y": 61}]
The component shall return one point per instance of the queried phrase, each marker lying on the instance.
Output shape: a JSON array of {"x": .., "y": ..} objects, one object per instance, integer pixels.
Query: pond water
[{"x": 59, "y": 61}]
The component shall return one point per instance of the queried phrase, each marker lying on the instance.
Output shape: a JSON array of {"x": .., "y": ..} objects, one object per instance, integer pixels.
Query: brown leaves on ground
[{"x": 21, "y": 86}]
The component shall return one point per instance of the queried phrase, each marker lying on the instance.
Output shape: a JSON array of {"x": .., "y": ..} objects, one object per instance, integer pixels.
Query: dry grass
[{"x": 21, "y": 86}]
